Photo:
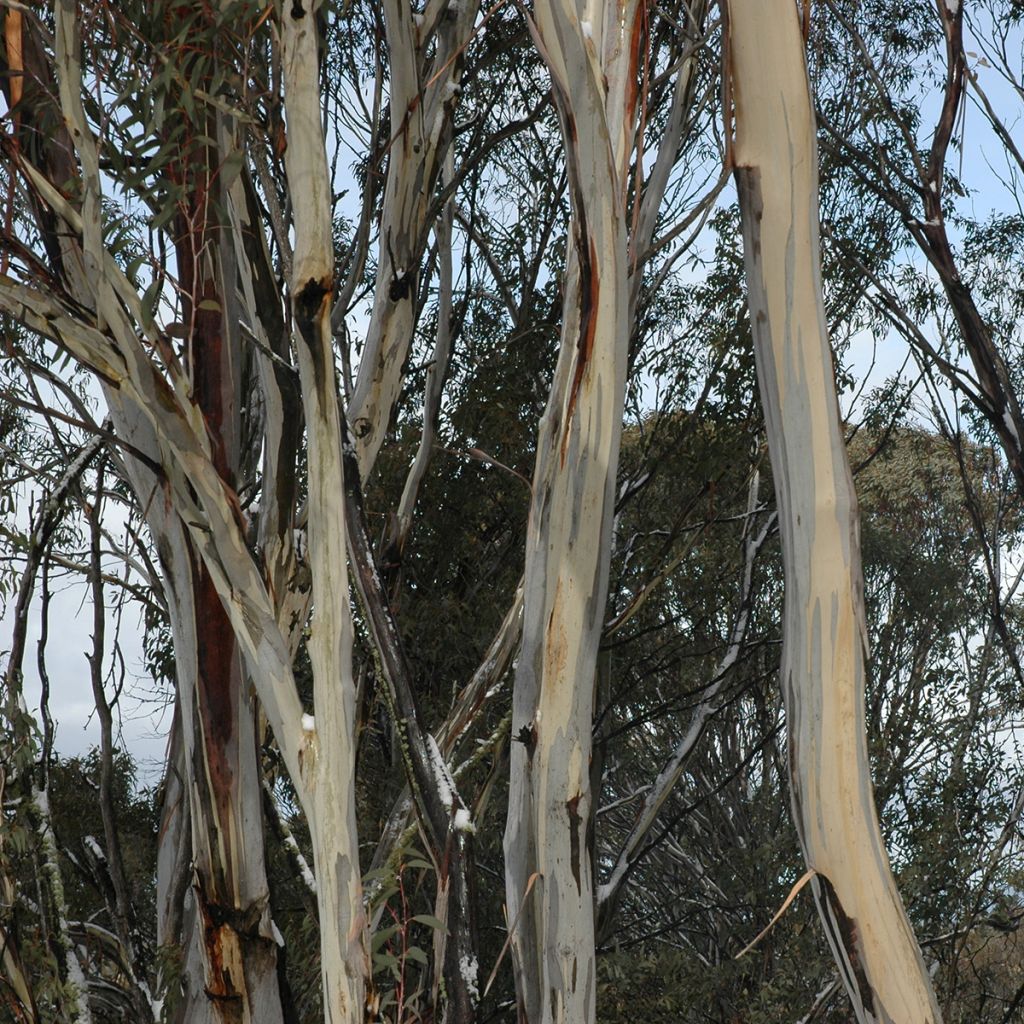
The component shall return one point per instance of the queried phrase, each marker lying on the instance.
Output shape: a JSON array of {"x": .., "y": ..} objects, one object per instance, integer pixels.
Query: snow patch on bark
[
  {"x": 94, "y": 848},
  {"x": 1011, "y": 427},
  {"x": 308, "y": 879},
  {"x": 442, "y": 776},
  {"x": 470, "y": 969}
]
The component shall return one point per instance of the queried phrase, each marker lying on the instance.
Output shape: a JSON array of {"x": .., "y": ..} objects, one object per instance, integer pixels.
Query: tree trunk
[
  {"x": 327, "y": 755},
  {"x": 548, "y": 874},
  {"x": 823, "y": 660},
  {"x": 231, "y": 966},
  {"x": 228, "y": 946}
]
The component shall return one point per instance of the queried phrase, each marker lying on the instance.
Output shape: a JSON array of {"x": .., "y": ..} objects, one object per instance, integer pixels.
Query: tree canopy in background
[{"x": 389, "y": 370}]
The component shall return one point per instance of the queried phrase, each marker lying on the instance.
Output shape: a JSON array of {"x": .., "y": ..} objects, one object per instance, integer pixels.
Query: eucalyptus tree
[
  {"x": 342, "y": 567},
  {"x": 722, "y": 855},
  {"x": 824, "y": 656},
  {"x": 182, "y": 416}
]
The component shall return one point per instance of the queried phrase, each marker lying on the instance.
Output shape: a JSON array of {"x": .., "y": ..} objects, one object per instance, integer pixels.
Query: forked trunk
[{"x": 423, "y": 95}]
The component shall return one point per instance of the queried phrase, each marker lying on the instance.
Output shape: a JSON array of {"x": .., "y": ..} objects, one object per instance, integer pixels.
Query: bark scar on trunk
[
  {"x": 310, "y": 301},
  {"x": 573, "y": 807},
  {"x": 527, "y": 735},
  {"x": 590, "y": 289},
  {"x": 227, "y": 933},
  {"x": 311, "y": 295},
  {"x": 847, "y": 939}
]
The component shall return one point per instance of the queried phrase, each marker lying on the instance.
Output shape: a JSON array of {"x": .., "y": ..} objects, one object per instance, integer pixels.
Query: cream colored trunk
[{"x": 823, "y": 662}]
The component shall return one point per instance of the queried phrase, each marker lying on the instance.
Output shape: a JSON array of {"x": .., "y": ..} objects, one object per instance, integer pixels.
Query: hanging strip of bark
[
  {"x": 229, "y": 949},
  {"x": 230, "y": 940},
  {"x": 824, "y": 650},
  {"x": 282, "y": 411},
  {"x": 153, "y": 404}
]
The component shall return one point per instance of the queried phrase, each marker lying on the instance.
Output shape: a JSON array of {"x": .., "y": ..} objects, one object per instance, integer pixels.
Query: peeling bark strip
[
  {"x": 229, "y": 938},
  {"x": 823, "y": 659},
  {"x": 589, "y": 296},
  {"x": 195, "y": 518},
  {"x": 220, "y": 769}
]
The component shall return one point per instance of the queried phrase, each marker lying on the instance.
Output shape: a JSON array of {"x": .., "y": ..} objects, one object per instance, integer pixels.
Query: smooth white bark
[{"x": 424, "y": 91}]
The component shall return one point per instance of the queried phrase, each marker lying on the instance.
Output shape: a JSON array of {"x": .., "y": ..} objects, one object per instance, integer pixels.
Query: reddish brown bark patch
[
  {"x": 847, "y": 939},
  {"x": 590, "y": 290}
]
